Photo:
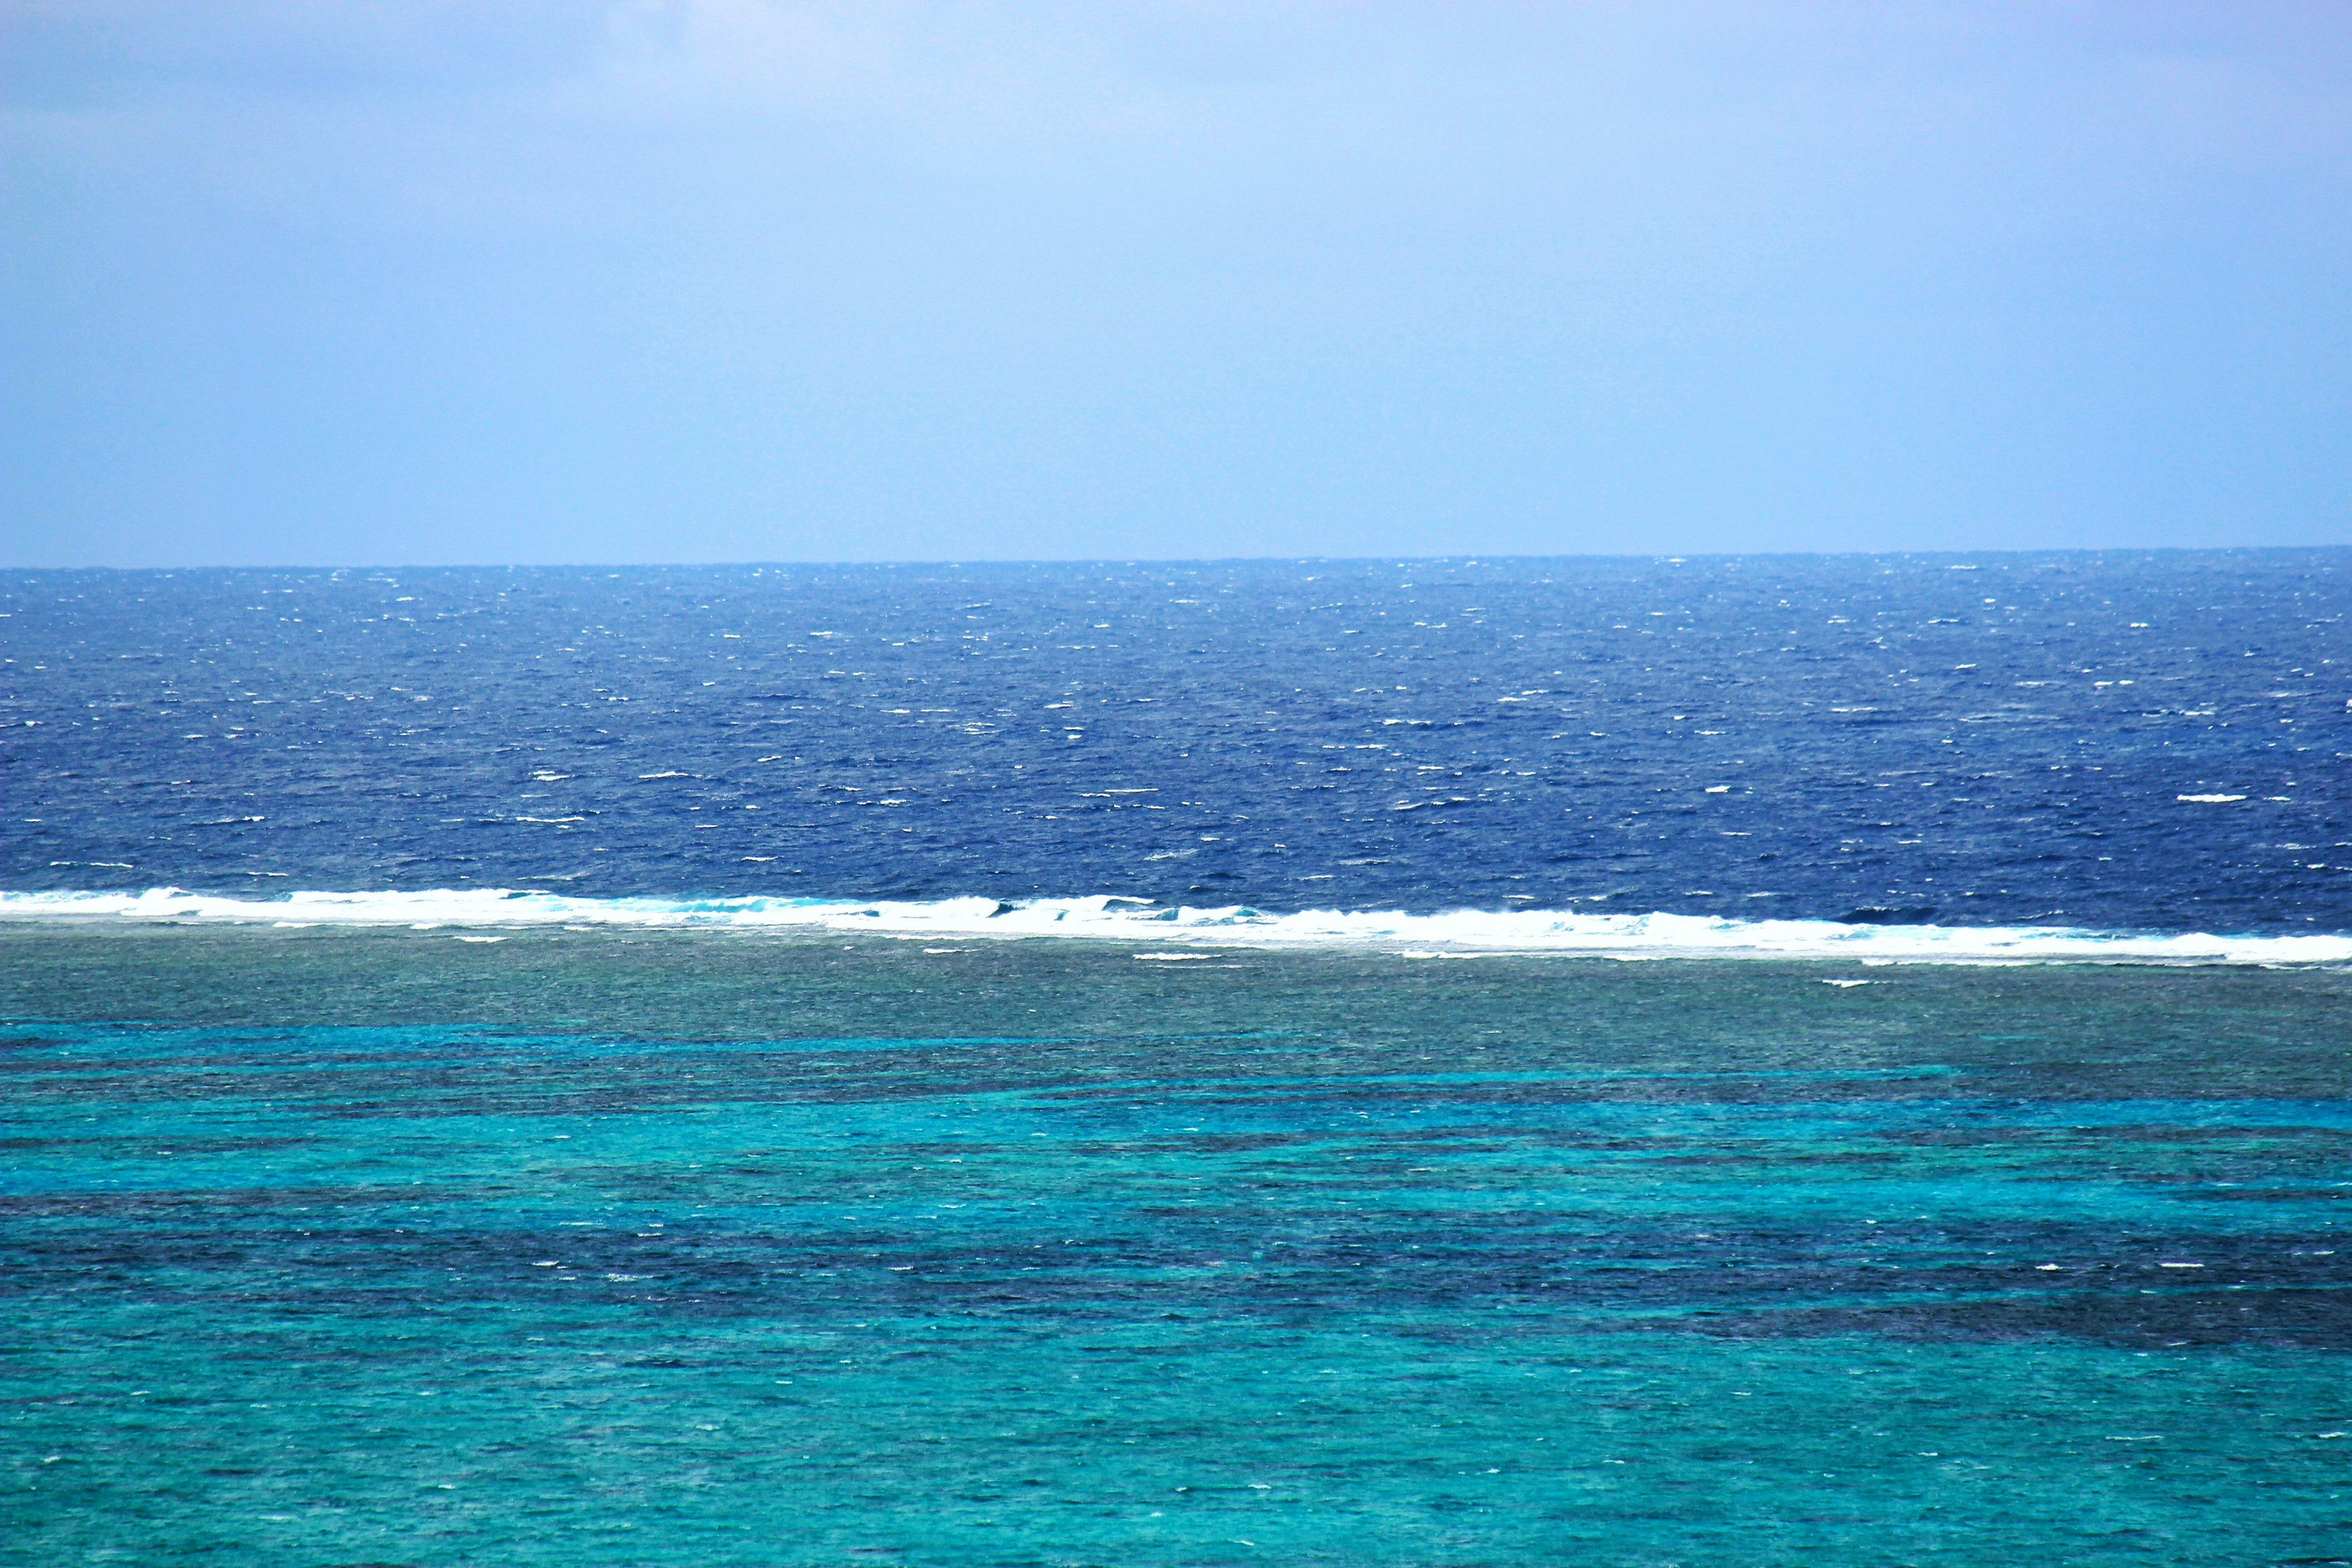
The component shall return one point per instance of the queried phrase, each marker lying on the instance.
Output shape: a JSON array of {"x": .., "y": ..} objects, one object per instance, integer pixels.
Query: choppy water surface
[
  {"x": 722, "y": 1248},
  {"x": 2144, "y": 742},
  {"x": 1816, "y": 1063}
]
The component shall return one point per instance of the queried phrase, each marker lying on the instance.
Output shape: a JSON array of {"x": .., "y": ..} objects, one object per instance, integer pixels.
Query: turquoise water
[{"x": 334, "y": 1247}]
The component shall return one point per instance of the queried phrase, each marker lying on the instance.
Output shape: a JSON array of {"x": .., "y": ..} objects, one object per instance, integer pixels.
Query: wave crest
[{"x": 1112, "y": 918}]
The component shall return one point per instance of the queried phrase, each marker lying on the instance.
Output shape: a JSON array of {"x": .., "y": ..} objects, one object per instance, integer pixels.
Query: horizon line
[{"x": 1470, "y": 558}]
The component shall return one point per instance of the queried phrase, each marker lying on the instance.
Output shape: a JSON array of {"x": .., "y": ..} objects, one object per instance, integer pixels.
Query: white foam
[{"x": 1136, "y": 921}]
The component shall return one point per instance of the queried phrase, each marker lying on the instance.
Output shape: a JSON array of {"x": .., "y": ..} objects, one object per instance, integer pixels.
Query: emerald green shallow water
[{"x": 699, "y": 1248}]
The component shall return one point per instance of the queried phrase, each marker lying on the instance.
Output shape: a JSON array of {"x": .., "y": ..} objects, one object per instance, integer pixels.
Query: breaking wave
[{"x": 1110, "y": 919}]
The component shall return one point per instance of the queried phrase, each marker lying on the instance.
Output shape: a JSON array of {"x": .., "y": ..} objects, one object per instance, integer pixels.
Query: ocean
[{"x": 1728, "y": 1061}]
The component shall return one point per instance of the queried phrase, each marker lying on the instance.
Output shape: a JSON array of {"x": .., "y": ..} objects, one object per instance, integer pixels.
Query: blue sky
[{"x": 392, "y": 282}]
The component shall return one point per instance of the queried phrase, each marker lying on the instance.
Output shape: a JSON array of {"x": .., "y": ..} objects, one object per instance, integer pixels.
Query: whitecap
[{"x": 1112, "y": 918}]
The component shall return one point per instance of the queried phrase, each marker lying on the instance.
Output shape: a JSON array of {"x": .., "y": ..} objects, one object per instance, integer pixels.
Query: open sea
[{"x": 1830, "y": 1062}]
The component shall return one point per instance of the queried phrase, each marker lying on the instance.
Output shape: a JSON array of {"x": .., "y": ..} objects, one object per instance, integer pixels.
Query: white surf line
[{"x": 1136, "y": 921}]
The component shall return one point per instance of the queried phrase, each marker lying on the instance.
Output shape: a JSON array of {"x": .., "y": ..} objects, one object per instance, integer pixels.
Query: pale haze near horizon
[{"x": 686, "y": 280}]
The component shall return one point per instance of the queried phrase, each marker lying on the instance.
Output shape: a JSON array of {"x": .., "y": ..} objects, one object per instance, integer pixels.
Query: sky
[{"x": 410, "y": 281}]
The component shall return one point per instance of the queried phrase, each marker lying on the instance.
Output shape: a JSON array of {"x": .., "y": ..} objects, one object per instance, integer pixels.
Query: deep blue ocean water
[
  {"x": 404, "y": 1222},
  {"x": 1993, "y": 739}
]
